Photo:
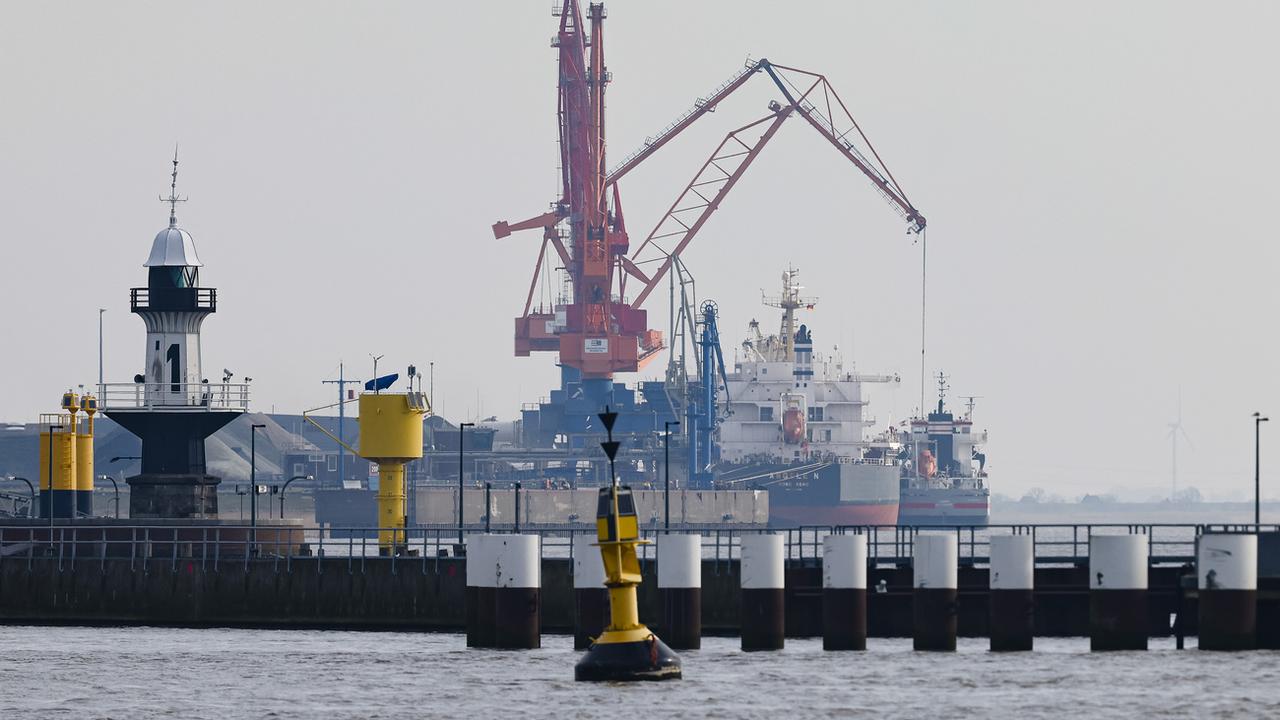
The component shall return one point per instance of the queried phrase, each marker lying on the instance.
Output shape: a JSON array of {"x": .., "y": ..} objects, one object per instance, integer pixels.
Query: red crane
[{"x": 597, "y": 331}]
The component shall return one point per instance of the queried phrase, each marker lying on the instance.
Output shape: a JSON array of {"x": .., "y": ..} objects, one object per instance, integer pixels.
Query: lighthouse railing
[{"x": 192, "y": 397}]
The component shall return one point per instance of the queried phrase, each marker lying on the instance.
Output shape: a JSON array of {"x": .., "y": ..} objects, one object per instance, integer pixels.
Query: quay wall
[{"x": 429, "y": 594}]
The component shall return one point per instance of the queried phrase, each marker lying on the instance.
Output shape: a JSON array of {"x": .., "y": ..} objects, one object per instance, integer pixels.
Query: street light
[
  {"x": 50, "y": 513},
  {"x": 115, "y": 487},
  {"x": 666, "y": 469},
  {"x": 30, "y": 489},
  {"x": 286, "y": 487},
  {"x": 253, "y": 482},
  {"x": 1258, "y": 419},
  {"x": 461, "y": 445},
  {"x": 101, "y": 385}
]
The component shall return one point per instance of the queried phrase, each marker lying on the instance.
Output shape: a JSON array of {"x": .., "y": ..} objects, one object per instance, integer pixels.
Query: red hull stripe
[
  {"x": 885, "y": 514},
  {"x": 971, "y": 506}
]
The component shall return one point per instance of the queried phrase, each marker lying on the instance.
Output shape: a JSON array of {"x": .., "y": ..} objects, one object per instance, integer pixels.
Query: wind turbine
[{"x": 1176, "y": 431}]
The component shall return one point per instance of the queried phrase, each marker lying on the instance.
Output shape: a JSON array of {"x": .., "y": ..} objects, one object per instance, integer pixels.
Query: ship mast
[{"x": 789, "y": 301}]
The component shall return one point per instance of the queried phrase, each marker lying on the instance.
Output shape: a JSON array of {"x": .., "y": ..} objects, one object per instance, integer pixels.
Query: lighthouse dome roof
[{"x": 173, "y": 247}]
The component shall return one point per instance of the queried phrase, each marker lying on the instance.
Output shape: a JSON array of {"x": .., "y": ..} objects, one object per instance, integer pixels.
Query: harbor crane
[{"x": 598, "y": 331}]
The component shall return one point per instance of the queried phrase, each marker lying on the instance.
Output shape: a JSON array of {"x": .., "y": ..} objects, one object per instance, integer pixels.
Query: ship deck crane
[{"x": 597, "y": 331}]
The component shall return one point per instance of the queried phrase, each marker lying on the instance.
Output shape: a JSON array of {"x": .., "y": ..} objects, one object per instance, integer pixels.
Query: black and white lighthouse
[{"x": 171, "y": 405}]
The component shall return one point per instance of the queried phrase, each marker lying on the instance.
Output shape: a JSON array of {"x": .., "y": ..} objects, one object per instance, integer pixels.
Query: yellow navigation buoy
[{"x": 627, "y": 650}]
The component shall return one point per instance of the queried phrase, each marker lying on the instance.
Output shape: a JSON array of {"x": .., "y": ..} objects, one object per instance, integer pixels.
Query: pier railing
[
  {"x": 174, "y": 397},
  {"x": 225, "y": 546}
]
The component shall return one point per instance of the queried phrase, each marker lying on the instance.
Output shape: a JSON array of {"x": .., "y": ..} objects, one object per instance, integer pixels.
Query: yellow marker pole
[
  {"x": 390, "y": 435},
  {"x": 391, "y": 505},
  {"x": 84, "y": 458}
]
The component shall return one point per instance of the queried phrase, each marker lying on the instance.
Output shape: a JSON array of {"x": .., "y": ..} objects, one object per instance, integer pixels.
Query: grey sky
[{"x": 1097, "y": 176}]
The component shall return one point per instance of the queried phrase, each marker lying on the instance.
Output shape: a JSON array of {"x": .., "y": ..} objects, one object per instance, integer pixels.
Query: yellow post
[
  {"x": 58, "y": 500},
  {"x": 84, "y": 458},
  {"x": 618, "y": 534},
  {"x": 391, "y": 505},
  {"x": 391, "y": 435}
]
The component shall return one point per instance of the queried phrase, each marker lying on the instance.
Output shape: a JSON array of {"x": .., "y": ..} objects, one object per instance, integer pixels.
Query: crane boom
[{"x": 595, "y": 329}]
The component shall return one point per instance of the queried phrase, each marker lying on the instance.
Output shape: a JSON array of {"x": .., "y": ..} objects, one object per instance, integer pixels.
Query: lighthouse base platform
[{"x": 164, "y": 495}]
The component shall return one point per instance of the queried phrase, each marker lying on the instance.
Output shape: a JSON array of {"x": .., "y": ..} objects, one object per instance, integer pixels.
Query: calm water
[{"x": 177, "y": 673}]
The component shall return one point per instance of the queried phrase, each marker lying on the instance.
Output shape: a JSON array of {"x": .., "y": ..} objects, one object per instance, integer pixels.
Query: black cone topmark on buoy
[
  {"x": 763, "y": 603},
  {"x": 1118, "y": 592},
  {"x": 844, "y": 592},
  {"x": 1227, "y": 571},
  {"x": 680, "y": 585},
  {"x": 934, "y": 574},
  {"x": 1012, "y": 580},
  {"x": 590, "y": 596}
]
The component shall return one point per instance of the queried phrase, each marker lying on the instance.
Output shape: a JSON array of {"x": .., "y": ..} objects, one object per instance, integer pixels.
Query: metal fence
[{"x": 217, "y": 547}]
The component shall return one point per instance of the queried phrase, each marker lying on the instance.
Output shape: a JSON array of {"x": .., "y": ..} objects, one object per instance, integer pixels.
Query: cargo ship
[
  {"x": 794, "y": 423},
  {"x": 946, "y": 482}
]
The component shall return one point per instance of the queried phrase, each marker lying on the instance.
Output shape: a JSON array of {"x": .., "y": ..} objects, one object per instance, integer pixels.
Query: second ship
[{"x": 794, "y": 423}]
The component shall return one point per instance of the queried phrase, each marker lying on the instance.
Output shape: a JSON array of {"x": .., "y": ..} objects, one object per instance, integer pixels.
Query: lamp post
[
  {"x": 1258, "y": 419},
  {"x": 286, "y": 487},
  {"x": 50, "y": 513},
  {"x": 30, "y": 489},
  {"x": 116, "y": 488},
  {"x": 101, "y": 382},
  {"x": 666, "y": 470},
  {"x": 253, "y": 482},
  {"x": 461, "y": 446}
]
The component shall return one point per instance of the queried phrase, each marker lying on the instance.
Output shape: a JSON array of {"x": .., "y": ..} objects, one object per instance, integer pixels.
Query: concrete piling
[
  {"x": 762, "y": 582},
  {"x": 680, "y": 585},
  {"x": 934, "y": 574},
  {"x": 590, "y": 596},
  {"x": 844, "y": 592},
  {"x": 1012, "y": 579},
  {"x": 1227, "y": 574},
  {"x": 517, "y": 598},
  {"x": 480, "y": 591},
  {"x": 1118, "y": 592},
  {"x": 504, "y": 574}
]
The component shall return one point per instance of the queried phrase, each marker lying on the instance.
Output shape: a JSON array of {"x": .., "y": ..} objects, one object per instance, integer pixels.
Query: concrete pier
[
  {"x": 1012, "y": 579},
  {"x": 590, "y": 596},
  {"x": 934, "y": 601},
  {"x": 680, "y": 584},
  {"x": 190, "y": 574},
  {"x": 1227, "y": 577},
  {"x": 503, "y": 591},
  {"x": 844, "y": 592},
  {"x": 763, "y": 621},
  {"x": 1118, "y": 592}
]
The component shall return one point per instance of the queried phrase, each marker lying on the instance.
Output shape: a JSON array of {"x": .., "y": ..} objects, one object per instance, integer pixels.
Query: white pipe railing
[{"x": 174, "y": 396}]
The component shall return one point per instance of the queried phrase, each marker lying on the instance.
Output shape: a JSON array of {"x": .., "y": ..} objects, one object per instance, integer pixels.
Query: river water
[{"x": 73, "y": 672}]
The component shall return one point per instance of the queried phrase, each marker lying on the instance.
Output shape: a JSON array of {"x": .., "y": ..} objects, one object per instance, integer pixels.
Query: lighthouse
[{"x": 170, "y": 405}]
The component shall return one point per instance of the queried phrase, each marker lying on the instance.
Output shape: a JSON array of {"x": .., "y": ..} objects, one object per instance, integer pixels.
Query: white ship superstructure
[
  {"x": 789, "y": 403},
  {"x": 795, "y": 422},
  {"x": 947, "y": 483}
]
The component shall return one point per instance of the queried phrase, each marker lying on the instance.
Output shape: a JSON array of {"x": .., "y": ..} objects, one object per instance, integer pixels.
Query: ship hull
[
  {"x": 850, "y": 514},
  {"x": 839, "y": 493},
  {"x": 944, "y": 507}
]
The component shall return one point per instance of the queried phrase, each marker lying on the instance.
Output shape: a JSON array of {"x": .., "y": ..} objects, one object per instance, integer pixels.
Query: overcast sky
[{"x": 1098, "y": 178}]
